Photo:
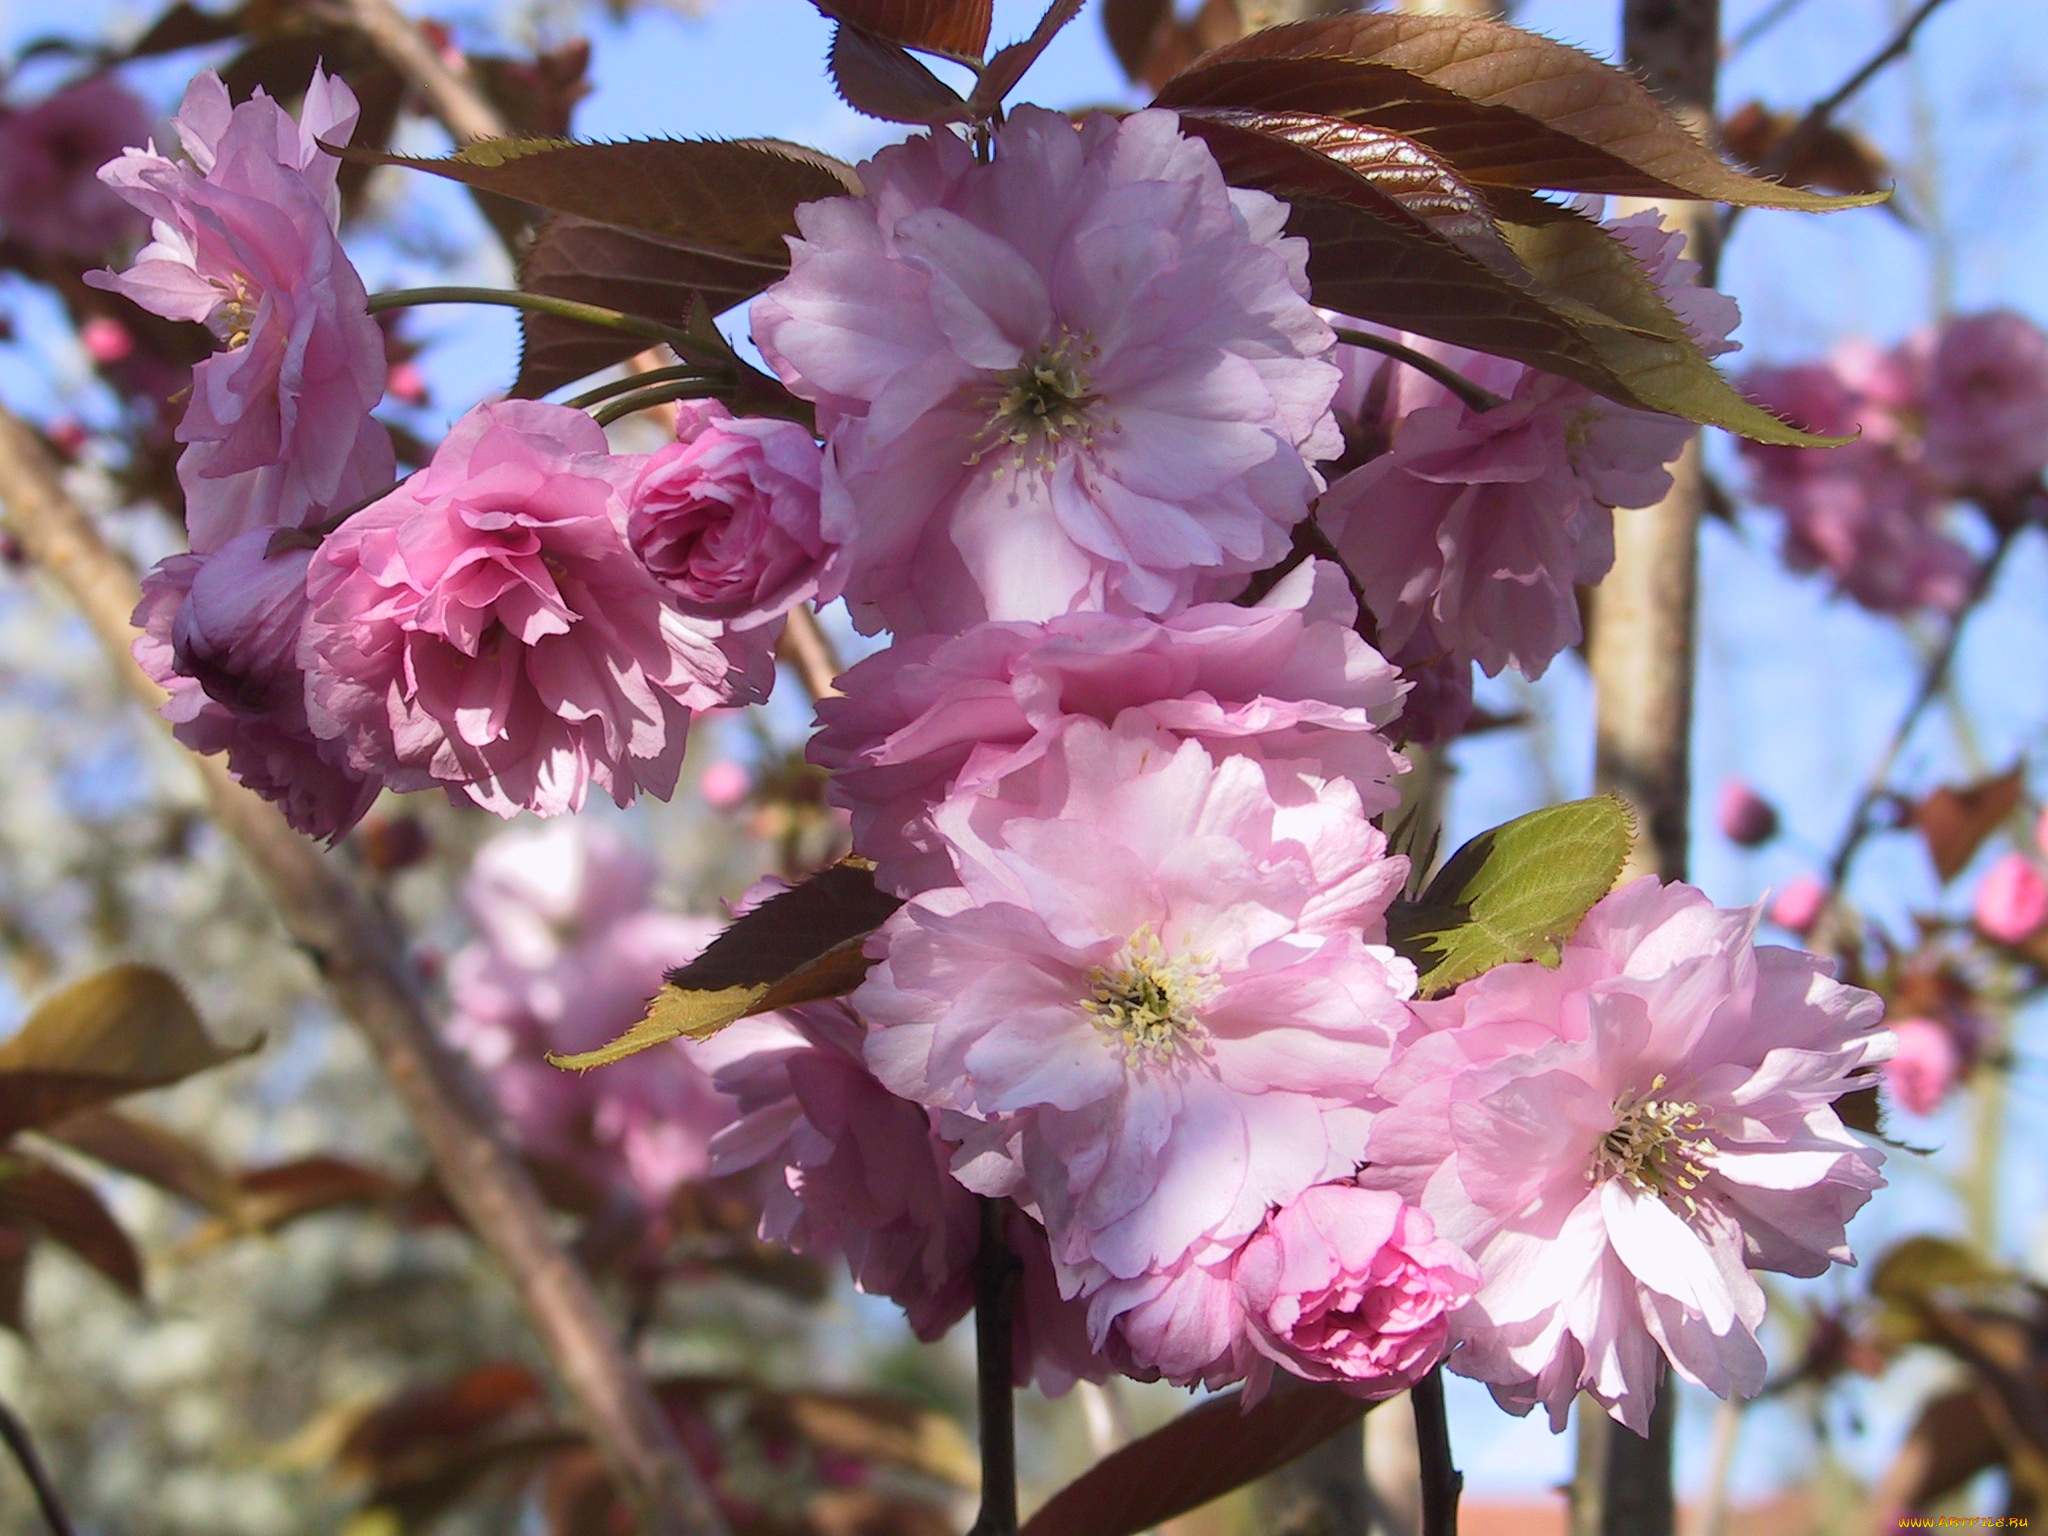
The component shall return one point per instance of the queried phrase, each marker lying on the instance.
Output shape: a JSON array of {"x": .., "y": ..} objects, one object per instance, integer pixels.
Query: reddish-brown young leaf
[
  {"x": 1137, "y": 30},
  {"x": 426, "y": 1421},
  {"x": 268, "y": 1198},
  {"x": 147, "y": 1151},
  {"x": 1202, "y": 1455},
  {"x": 573, "y": 258},
  {"x": 14, "y": 1248},
  {"x": 537, "y": 97},
  {"x": 1831, "y": 157},
  {"x": 883, "y": 80},
  {"x": 1951, "y": 1441},
  {"x": 1003, "y": 71},
  {"x": 732, "y": 198},
  {"x": 46, "y": 1200},
  {"x": 1954, "y": 820},
  {"x": 958, "y": 29},
  {"x": 1505, "y": 106}
]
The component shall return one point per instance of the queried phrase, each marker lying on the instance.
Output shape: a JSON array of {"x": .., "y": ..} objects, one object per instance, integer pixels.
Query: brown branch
[
  {"x": 364, "y": 965},
  {"x": 810, "y": 653},
  {"x": 1442, "y": 1482},
  {"x": 16, "y": 1434},
  {"x": 451, "y": 94}
]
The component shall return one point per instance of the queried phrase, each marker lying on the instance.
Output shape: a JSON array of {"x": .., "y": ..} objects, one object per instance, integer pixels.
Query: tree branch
[
  {"x": 1442, "y": 1482},
  {"x": 16, "y": 1434},
  {"x": 373, "y": 984},
  {"x": 996, "y": 1273},
  {"x": 453, "y": 97}
]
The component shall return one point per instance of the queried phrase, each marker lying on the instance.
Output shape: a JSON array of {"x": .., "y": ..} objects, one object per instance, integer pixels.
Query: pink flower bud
[
  {"x": 1924, "y": 1067},
  {"x": 405, "y": 383},
  {"x": 105, "y": 340},
  {"x": 725, "y": 784},
  {"x": 1745, "y": 817},
  {"x": 2012, "y": 903},
  {"x": 1800, "y": 904}
]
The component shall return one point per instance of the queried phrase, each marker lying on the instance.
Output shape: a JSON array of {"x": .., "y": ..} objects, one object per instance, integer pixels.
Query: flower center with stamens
[
  {"x": 1151, "y": 1002},
  {"x": 1656, "y": 1145},
  {"x": 232, "y": 319},
  {"x": 1040, "y": 402}
]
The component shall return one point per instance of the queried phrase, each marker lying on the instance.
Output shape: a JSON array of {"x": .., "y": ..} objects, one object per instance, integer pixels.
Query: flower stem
[
  {"x": 996, "y": 1272},
  {"x": 598, "y": 394},
  {"x": 548, "y": 304},
  {"x": 1479, "y": 399},
  {"x": 1442, "y": 1482},
  {"x": 15, "y": 1433},
  {"x": 695, "y": 387}
]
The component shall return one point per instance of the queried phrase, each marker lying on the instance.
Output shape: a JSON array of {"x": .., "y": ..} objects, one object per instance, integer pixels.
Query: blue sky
[{"x": 1797, "y": 692}]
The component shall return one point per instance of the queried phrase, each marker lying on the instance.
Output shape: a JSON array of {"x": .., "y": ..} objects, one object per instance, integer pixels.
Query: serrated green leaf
[
  {"x": 797, "y": 947},
  {"x": 1514, "y": 893}
]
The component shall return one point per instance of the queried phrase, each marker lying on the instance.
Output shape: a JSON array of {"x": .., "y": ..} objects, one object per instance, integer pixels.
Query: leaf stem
[
  {"x": 548, "y": 304},
  {"x": 600, "y": 393},
  {"x": 996, "y": 1272},
  {"x": 1442, "y": 1482},
  {"x": 16, "y": 1434},
  {"x": 692, "y": 388},
  {"x": 1479, "y": 399}
]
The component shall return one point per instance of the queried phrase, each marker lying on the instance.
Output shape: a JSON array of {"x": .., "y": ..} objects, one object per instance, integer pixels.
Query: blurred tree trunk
[{"x": 1640, "y": 652}]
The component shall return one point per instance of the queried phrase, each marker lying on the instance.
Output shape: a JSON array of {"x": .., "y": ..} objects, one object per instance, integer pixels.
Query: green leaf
[
  {"x": 118, "y": 1032},
  {"x": 1506, "y": 107},
  {"x": 735, "y": 199},
  {"x": 1514, "y": 893},
  {"x": 797, "y": 947}
]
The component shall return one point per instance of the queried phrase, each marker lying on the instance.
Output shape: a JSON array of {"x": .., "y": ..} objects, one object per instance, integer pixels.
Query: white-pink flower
[
  {"x": 278, "y": 429},
  {"x": 1159, "y": 979},
  {"x": 1984, "y": 386},
  {"x": 1285, "y": 681},
  {"x": 487, "y": 629},
  {"x": 1620, "y": 1140},
  {"x": 1082, "y": 376}
]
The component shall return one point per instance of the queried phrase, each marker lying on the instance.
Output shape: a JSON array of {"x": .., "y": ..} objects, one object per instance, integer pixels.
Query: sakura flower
[
  {"x": 1985, "y": 383},
  {"x": 1286, "y": 681},
  {"x": 2012, "y": 902},
  {"x": 1619, "y": 1141},
  {"x": 50, "y": 200},
  {"x": 866, "y": 1172},
  {"x": 727, "y": 515},
  {"x": 1924, "y": 1066},
  {"x": 486, "y": 628},
  {"x": 1082, "y": 376},
  {"x": 220, "y": 634},
  {"x": 1158, "y": 978},
  {"x": 278, "y": 428}
]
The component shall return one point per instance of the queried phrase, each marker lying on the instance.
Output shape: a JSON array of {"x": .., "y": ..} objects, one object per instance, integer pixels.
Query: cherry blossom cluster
[
  {"x": 1124, "y": 760},
  {"x": 1957, "y": 412}
]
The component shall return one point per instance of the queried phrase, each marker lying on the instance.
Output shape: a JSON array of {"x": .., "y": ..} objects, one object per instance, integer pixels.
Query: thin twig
[
  {"x": 996, "y": 1272},
  {"x": 375, "y": 986},
  {"x": 1821, "y": 112},
  {"x": 16, "y": 1434},
  {"x": 1933, "y": 678},
  {"x": 451, "y": 94},
  {"x": 810, "y": 653},
  {"x": 1479, "y": 399},
  {"x": 1442, "y": 1482},
  {"x": 1759, "y": 25}
]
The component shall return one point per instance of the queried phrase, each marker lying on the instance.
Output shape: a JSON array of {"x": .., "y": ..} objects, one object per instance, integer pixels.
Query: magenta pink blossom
[
  {"x": 1082, "y": 376},
  {"x": 867, "y": 1173},
  {"x": 1798, "y": 907},
  {"x": 1284, "y": 681},
  {"x": 486, "y": 628},
  {"x": 1924, "y": 1066},
  {"x": 1620, "y": 1140},
  {"x": 726, "y": 517},
  {"x": 1984, "y": 384},
  {"x": 50, "y": 199},
  {"x": 1159, "y": 982},
  {"x": 1353, "y": 1286},
  {"x": 1745, "y": 817},
  {"x": 278, "y": 429},
  {"x": 220, "y": 633},
  {"x": 2012, "y": 900}
]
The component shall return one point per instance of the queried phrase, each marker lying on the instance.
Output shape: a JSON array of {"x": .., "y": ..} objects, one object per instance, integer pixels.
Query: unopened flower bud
[
  {"x": 2012, "y": 903},
  {"x": 1800, "y": 904},
  {"x": 1745, "y": 817}
]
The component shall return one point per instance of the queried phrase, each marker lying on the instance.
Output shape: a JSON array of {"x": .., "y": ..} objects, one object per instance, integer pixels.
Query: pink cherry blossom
[
  {"x": 1082, "y": 376},
  {"x": 105, "y": 340},
  {"x": 1985, "y": 387},
  {"x": 1619, "y": 1141},
  {"x": 278, "y": 428},
  {"x": 1798, "y": 907},
  {"x": 1745, "y": 817},
  {"x": 1353, "y": 1286},
  {"x": 1159, "y": 981},
  {"x": 1285, "y": 681},
  {"x": 867, "y": 1173},
  {"x": 486, "y": 628},
  {"x": 1924, "y": 1067},
  {"x": 1865, "y": 512},
  {"x": 2012, "y": 900},
  {"x": 50, "y": 200},
  {"x": 727, "y": 515},
  {"x": 725, "y": 784},
  {"x": 220, "y": 633}
]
